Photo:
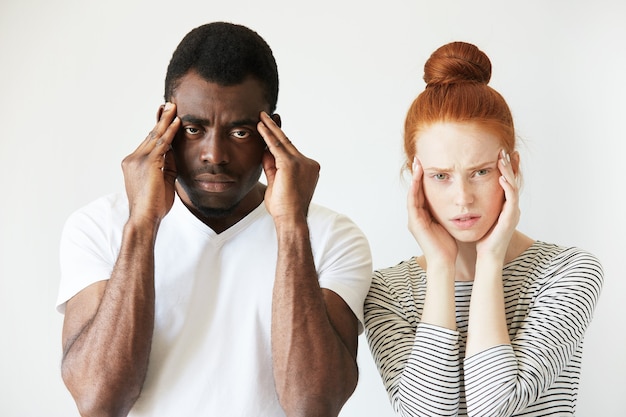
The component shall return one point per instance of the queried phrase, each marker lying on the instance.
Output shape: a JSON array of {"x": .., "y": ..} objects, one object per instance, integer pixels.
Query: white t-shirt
[{"x": 211, "y": 351}]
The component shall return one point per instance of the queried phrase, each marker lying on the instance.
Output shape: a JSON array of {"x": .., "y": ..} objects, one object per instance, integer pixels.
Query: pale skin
[
  {"x": 463, "y": 207},
  {"x": 107, "y": 332}
]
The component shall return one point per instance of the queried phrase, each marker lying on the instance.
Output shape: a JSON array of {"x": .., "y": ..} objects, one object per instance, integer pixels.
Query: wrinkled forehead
[
  {"x": 445, "y": 143},
  {"x": 209, "y": 101}
]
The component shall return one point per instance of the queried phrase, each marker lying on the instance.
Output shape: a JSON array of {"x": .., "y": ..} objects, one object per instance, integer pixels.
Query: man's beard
[
  {"x": 211, "y": 212},
  {"x": 207, "y": 211}
]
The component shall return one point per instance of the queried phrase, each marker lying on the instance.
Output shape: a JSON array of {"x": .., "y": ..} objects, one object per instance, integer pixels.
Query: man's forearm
[
  {"x": 105, "y": 363},
  {"x": 315, "y": 371}
]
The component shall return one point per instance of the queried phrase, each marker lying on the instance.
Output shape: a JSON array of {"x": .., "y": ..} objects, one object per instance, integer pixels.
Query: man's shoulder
[
  {"x": 107, "y": 207},
  {"x": 318, "y": 211},
  {"x": 321, "y": 216},
  {"x": 333, "y": 224}
]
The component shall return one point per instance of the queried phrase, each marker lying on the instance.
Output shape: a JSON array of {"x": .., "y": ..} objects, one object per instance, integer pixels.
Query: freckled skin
[{"x": 461, "y": 176}]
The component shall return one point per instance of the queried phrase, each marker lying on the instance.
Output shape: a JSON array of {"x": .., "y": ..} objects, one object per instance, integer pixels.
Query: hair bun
[{"x": 457, "y": 62}]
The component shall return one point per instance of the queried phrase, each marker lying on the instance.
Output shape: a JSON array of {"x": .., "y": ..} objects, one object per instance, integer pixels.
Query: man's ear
[{"x": 276, "y": 118}]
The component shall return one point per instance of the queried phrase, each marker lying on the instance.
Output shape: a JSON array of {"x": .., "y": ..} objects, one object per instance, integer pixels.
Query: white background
[{"x": 80, "y": 83}]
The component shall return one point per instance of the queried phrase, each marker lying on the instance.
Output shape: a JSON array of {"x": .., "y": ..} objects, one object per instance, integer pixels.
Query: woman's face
[{"x": 461, "y": 186}]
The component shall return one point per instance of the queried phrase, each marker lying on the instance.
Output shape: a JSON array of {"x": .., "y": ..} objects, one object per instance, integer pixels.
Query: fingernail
[
  {"x": 414, "y": 163},
  {"x": 168, "y": 106},
  {"x": 504, "y": 157}
]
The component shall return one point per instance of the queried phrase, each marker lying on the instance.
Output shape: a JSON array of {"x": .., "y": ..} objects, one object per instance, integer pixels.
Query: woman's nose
[{"x": 463, "y": 193}]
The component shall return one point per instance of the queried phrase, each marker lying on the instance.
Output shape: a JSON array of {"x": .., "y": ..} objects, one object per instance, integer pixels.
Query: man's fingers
[
  {"x": 272, "y": 134},
  {"x": 164, "y": 142},
  {"x": 167, "y": 118}
]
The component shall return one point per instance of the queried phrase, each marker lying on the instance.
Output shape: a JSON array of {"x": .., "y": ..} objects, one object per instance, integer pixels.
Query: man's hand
[
  {"x": 291, "y": 176},
  {"x": 314, "y": 331},
  {"x": 150, "y": 171}
]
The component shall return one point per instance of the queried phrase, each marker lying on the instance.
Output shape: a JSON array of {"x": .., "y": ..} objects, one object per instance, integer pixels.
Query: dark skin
[{"x": 221, "y": 138}]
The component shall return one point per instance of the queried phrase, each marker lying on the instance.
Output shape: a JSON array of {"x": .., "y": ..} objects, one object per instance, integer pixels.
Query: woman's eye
[
  {"x": 482, "y": 172},
  {"x": 440, "y": 176}
]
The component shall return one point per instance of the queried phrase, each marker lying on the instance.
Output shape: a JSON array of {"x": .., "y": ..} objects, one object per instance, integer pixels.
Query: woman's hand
[
  {"x": 435, "y": 241},
  {"x": 440, "y": 251},
  {"x": 496, "y": 241}
]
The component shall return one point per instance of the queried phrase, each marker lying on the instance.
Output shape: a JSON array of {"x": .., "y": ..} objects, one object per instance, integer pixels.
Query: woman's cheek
[{"x": 436, "y": 201}]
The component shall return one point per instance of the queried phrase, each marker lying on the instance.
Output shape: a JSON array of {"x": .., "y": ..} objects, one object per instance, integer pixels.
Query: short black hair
[{"x": 226, "y": 54}]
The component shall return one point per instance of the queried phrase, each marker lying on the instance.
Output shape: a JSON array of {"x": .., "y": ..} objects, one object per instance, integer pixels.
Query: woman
[{"x": 487, "y": 322}]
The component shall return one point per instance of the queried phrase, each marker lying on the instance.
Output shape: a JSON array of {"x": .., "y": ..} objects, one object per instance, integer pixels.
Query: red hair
[{"x": 456, "y": 78}]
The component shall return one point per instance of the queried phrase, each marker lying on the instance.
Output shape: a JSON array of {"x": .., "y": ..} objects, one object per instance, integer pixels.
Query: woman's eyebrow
[
  {"x": 470, "y": 168},
  {"x": 438, "y": 169},
  {"x": 483, "y": 165}
]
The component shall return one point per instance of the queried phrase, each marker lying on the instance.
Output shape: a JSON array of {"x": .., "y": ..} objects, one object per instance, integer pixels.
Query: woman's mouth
[{"x": 465, "y": 221}]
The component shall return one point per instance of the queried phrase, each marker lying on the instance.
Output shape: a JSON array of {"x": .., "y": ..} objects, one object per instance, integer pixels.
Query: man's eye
[
  {"x": 240, "y": 134},
  {"x": 192, "y": 130}
]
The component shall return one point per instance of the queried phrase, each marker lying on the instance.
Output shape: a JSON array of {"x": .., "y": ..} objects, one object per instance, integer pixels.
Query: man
[{"x": 203, "y": 291}]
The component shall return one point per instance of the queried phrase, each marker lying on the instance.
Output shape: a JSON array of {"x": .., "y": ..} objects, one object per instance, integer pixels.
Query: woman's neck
[
  {"x": 466, "y": 257},
  {"x": 465, "y": 264}
]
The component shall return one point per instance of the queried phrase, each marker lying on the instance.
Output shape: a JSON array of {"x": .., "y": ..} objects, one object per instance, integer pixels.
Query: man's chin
[
  {"x": 213, "y": 212},
  {"x": 211, "y": 209}
]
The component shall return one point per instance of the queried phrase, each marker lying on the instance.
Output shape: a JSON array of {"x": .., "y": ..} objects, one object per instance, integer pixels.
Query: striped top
[{"x": 550, "y": 293}]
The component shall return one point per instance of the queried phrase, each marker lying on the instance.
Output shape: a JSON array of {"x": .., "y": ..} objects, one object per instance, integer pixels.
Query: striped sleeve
[
  {"x": 419, "y": 363},
  {"x": 505, "y": 380}
]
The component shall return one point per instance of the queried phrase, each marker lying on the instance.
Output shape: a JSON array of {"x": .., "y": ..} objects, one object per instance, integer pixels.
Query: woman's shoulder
[
  {"x": 557, "y": 262},
  {"x": 556, "y": 253},
  {"x": 402, "y": 266},
  {"x": 402, "y": 273}
]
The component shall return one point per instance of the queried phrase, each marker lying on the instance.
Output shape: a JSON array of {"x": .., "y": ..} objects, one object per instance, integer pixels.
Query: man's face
[{"x": 218, "y": 150}]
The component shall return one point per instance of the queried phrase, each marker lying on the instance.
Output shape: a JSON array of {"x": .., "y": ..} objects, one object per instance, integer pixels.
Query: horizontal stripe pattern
[{"x": 550, "y": 293}]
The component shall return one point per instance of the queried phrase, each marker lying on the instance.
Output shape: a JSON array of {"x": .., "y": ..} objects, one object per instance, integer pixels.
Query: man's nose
[{"x": 214, "y": 149}]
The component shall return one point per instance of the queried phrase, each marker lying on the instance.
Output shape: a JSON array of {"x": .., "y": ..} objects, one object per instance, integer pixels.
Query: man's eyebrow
[
  {"x": 188, "y": 118},
  {"x": 245, "y": 122}
]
